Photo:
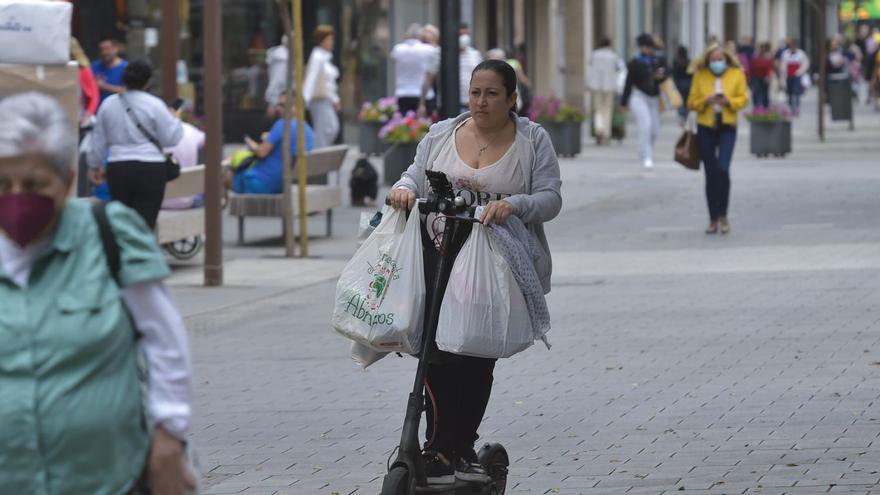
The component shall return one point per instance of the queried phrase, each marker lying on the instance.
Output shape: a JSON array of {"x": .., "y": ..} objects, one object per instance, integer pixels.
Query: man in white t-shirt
[
  {"x": 413, "y": 61},
  {"x": 469, "y": 58}
]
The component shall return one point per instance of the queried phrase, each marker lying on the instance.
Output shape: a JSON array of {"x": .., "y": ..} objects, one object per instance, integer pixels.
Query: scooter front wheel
[
  {"x": 397, "y": 482},
  {"x": 495, "y": 461}
]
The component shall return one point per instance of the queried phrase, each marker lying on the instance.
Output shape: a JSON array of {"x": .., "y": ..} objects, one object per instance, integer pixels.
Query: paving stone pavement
[{"x": 739, "y": 364}]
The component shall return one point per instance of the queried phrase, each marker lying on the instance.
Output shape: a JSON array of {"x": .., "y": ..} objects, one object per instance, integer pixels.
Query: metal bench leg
[
  {"x": 240, "y": 231},
  {"x": 329, "y": 223}
]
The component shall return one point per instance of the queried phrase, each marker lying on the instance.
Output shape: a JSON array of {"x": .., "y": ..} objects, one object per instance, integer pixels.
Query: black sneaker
[
  {"x": 437, "y": 469},
  {"x": 468, "y": 468}
]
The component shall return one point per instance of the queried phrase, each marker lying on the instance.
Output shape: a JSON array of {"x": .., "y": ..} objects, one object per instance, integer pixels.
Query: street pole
[
  {"x": 823, "y": 68},
  {"x": 301, "y": 163},
  {"x": 169, "y": 28},
  {"x": 287, "y": 175},
  {"x": 450, "y": 18},
  {"x": 213, "y": 41}
]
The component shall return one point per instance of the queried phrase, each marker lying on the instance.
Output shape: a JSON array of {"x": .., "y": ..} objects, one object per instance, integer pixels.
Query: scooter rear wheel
[{"x": 397, "y": 482}]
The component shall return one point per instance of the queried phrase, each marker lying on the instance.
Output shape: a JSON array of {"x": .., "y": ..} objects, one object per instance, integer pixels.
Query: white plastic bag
[
  {"x": 484, "y": 313},
  {"x": 380, "y": 296},
  {"x": 365, "y": 356},
  {"x": 38, "y": 31}
]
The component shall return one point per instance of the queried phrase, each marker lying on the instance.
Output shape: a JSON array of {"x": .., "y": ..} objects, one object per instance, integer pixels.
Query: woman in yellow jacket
[{"x": 718, "y": 92}]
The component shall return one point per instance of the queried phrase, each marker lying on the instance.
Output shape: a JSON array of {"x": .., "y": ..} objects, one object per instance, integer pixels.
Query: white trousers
[
  {"x": 646, "y": 111},
  {"x": 325, "y": 122},
  {"x": 603, "y": 109}
]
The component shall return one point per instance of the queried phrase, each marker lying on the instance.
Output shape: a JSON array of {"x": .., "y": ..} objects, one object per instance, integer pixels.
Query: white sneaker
[{"x": 648, "y": 163}]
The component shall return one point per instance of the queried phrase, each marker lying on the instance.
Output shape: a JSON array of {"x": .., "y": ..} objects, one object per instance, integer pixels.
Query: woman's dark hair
[
  {"x": 137, "y": 74},
  {"x": 503, "y": 69},
  {"x": 604, "y": 41}
]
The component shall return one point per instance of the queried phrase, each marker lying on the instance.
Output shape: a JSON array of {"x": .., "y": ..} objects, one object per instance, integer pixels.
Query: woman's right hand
[{"x": 402, "y": 198}]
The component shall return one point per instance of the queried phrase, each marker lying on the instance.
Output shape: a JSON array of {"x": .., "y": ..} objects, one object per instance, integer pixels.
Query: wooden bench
[
  {"x": 174, "y": 225},
  {"x": 319, "y": 197}
]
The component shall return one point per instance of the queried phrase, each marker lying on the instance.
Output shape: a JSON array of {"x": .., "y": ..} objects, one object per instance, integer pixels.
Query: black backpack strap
[{"x": 108, "y": 240}]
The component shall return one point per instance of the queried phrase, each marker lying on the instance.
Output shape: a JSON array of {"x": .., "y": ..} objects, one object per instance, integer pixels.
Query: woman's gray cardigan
[{"x": 540, "y": 204}]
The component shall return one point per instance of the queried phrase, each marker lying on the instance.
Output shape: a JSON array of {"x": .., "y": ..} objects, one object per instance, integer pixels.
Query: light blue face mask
[{"x": 717, "y": 66}]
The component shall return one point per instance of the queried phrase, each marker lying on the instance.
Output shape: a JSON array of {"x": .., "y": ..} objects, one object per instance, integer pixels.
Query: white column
[
  {"x": 545, "y": 48},
  {"x": 762, "y": 33},
  {"x": 716, "y": 21},
  {"x": 745, "y": 21},
  {"x": 697, "y": 26}
]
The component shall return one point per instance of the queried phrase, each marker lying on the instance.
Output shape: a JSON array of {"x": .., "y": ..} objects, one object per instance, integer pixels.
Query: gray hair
[
  {"x": 36, "y": 123},
  {"x": 414, "y": 30}
]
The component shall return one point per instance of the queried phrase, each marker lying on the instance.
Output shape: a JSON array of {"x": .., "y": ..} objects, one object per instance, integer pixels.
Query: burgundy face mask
[{"x": 24, "y": 216}]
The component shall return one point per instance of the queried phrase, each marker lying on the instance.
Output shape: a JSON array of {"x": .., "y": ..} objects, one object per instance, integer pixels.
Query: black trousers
[
  {"x": 411, "y": 104},
  {"x": 456, "y": 395},
  {"x": 138, "y": 185}
]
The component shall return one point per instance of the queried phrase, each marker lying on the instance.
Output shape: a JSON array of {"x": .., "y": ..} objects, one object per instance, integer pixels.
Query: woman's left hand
[
  {"x": 496, "y": 212},
  {"x": 168, "y": 472}
]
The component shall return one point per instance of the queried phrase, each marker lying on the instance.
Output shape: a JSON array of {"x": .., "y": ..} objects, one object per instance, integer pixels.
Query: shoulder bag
[
  {"x": 172, "y": 166},
  {"x": 687, "y": 151}
]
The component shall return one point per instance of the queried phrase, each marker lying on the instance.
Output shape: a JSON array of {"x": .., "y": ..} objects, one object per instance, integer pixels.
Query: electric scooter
[{"x": 406, "y": 475}]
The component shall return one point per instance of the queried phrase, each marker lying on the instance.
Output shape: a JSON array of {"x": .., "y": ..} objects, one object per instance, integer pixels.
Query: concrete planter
[
  {"x": 771, "y": 138},
  {"x": 368, "y": 138},
  {"x": 840, "y": 97},
  {"x": 565, "y": 136},
  {"x": 398, "y": 157}
]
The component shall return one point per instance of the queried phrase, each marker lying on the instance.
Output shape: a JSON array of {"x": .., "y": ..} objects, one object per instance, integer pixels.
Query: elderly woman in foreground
[{"x": 72, "y": 416}]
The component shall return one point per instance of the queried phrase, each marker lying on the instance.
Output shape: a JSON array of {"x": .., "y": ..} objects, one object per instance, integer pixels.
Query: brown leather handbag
[{"x": 687, "y": 151}]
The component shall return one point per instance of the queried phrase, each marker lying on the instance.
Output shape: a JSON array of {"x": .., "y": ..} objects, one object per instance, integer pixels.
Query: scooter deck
[{"x": 458, "y": 488}]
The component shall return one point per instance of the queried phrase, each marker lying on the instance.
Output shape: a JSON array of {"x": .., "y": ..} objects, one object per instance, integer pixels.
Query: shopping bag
[
  {"x": 687, "y": 151},
  {"x": 365, "y": 356},
  {"x": 380, "y": 295},
  {"x": 483, "y": 313}
]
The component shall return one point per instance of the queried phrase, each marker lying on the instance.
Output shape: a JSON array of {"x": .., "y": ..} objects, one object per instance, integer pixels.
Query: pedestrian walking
[
  {"x": 276, "y": 68},
  {"x": 468, "y": 59},
  {"x": 413, "y": 63},
  {"x": 89, "y": 93},
  {"x": 431, "y": 37},
  {"x": 641, "y": 93},
  {"x": 682, "y": 78},
  {"x": 108, "y": 71},
  {"x": 718, "y": 92},
  {"x": 602, "y": 83},
  {"x": 794, "y": 65},
  {"x": 131, "y": 132},
  {"x": 507, "y": 164},
  {"x": 320, "y": 91},
  {"x": 78, "y": 415},
  {"x": 762, "y": 75}
]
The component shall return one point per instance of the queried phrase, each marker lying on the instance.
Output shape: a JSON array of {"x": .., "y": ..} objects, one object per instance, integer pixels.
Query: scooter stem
[{"x": 410, "y": 450}]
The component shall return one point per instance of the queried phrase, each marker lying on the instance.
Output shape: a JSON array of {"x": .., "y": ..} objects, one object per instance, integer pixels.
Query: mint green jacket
[{"x": 72, "y": 420}]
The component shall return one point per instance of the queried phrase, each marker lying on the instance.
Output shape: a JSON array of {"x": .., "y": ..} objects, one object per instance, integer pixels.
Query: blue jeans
[
  {"x": 795, "y": 89},
  {"x": 716, "y": 150},
  {"x": 761, "y": 90}
]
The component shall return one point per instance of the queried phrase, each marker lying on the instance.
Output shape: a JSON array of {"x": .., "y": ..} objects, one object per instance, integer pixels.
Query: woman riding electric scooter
[{"x": 508, "y": 165}]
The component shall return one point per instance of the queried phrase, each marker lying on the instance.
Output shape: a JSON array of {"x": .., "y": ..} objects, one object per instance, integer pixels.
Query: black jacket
[{"x": 642, "y": 76}]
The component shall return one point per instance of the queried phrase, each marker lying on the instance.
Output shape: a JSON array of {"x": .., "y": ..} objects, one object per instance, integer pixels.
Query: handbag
[
  {"x": 172, "y": 166},
  {"x": 687, "y": 151}
]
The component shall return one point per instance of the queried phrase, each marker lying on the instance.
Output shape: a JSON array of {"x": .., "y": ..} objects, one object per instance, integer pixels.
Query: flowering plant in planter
[
  {"x": 772, "y": 114},
  {"x": 550, "y": 109},
  {"x": 403, "y": 129},
  {"x": 378, "y": 111}
]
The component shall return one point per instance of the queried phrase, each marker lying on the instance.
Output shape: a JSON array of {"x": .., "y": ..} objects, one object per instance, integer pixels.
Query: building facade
[{"x": 552, "y": 38}]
